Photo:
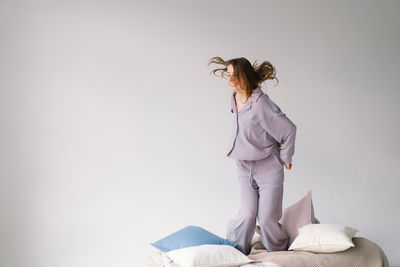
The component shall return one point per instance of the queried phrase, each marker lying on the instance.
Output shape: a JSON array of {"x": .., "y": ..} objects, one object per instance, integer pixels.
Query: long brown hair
[{"x": 249, "y": 76}]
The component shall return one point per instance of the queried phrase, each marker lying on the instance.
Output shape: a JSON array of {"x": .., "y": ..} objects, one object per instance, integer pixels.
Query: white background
[{"x": 114, "y": 133}]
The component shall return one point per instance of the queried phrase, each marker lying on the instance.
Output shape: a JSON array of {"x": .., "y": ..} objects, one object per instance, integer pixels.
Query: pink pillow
[{"x": 297, "y": 215}]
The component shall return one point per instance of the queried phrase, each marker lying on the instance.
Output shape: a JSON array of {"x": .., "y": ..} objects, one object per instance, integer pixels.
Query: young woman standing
[{"x": 263, "y": 142}]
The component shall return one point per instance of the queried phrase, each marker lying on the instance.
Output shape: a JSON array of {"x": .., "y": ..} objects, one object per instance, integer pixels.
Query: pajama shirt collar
[{"x": 253, "y": 98}]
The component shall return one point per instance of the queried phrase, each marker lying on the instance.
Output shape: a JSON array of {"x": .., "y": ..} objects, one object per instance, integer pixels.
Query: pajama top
[{"x": 258, "y": 128}]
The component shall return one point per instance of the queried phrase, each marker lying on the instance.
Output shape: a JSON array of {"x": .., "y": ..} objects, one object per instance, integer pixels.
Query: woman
[{"x": 263, "y": 142}]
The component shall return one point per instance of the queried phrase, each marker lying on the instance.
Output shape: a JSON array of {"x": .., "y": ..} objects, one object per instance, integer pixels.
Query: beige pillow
[{"x": 297, "y": 215}]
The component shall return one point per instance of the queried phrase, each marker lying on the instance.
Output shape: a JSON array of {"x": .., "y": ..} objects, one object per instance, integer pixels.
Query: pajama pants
[{"x": 261, "y": 187}]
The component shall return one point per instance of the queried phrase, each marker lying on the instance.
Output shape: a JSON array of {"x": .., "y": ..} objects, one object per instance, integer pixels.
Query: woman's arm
[
  {"x": 279, "y": 126},
  {"x": 287, "y": 165}
]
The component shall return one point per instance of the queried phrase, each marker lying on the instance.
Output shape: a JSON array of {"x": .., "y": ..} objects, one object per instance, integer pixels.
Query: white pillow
[
  {"x": 324, "y": 238},
  {"x": 158, "y": 258},
  {"x": 208, "y": 255}
]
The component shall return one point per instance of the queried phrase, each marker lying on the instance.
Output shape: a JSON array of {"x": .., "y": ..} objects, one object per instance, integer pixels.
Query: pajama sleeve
[{"x": 280, "y": 127}]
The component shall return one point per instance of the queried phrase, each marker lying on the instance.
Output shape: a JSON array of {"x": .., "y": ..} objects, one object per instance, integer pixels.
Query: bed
[{"x": 365, "y": 253}]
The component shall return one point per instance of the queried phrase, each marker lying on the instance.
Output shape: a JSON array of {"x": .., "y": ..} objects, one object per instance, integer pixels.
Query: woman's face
[{"x": 231, "y": 79}]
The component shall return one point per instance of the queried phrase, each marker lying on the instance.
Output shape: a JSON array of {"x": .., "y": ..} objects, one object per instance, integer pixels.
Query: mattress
[{"x": 365, "y": 253}]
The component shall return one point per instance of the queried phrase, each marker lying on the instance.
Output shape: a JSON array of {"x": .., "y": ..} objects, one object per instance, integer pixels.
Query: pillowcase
[
  {"x": 324, "y": 238},
  {"x": 189, "y": 236},
  {"x": 297, "y": 215},
  {"x": 208, "y": 255}
]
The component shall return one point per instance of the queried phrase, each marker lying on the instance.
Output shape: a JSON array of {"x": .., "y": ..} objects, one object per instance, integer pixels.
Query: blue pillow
[{"x": 189, "y": 236}]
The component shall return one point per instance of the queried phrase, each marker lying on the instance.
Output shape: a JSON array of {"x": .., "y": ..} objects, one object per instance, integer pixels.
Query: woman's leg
[
  {"x": 241, "y": 229},
  {"x": 270, "y": 211}
]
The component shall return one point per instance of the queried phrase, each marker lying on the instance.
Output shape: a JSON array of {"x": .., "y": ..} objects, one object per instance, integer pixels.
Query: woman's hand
[{"x": 288, "y": 165}]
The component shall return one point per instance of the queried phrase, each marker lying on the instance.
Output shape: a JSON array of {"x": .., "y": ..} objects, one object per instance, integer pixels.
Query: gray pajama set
[{"x": 259, "y": 127}]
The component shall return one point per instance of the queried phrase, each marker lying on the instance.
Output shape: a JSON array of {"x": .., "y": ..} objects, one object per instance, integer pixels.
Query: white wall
[{"x": 114, "y": 133}]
